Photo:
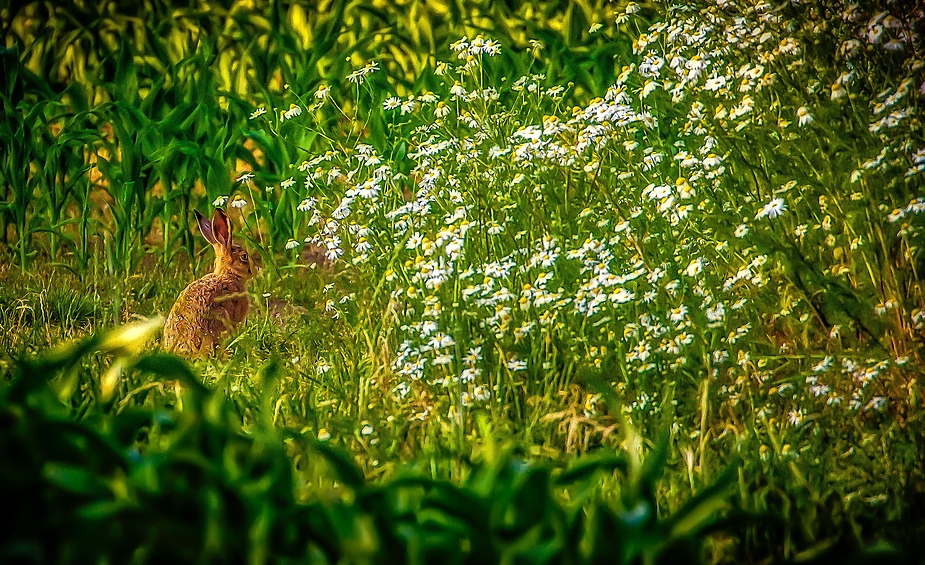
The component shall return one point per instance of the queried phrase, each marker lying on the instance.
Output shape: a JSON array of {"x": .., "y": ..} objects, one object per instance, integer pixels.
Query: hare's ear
[
  {"x": 221, "y": 228},
  {"x": 205, "y": 226}
]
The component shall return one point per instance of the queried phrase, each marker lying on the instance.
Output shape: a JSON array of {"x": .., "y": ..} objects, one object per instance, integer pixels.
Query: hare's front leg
[{"x": 207, "y": 346}]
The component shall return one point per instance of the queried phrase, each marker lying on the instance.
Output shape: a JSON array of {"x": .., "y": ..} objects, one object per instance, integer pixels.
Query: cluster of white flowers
[{"x": 635, "y": 225}]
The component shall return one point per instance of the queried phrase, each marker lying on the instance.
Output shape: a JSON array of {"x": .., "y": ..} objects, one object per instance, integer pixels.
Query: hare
[{"x": 215, "y": 303}]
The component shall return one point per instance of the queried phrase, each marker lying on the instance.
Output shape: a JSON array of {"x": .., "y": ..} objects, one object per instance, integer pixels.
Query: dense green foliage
[
  {"x": 141, "y": 108},
  {"x": 560, "y": 227},
  {"x": 161, "y": 482}
]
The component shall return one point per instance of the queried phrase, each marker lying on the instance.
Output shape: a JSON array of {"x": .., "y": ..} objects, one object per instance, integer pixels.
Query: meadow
[{"x": 558, "y": 282}]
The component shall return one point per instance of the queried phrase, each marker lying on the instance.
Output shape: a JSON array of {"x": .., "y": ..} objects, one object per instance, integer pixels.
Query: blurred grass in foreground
[{"x": 185, "y": 482}]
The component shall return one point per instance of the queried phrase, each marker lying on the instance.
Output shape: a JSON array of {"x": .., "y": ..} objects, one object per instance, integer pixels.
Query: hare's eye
[{"x": 244, "y": 257}]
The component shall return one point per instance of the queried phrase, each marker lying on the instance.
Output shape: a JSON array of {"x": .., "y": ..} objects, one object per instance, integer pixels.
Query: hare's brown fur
[{"x": 214, "y": 304}]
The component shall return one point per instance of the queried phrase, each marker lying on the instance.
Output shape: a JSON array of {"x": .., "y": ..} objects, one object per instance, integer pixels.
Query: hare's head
[{"x": 229, "y": 256}]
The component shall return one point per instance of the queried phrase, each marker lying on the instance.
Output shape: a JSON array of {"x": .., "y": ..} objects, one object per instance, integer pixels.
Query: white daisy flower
[{"x": 772, "y": 209}]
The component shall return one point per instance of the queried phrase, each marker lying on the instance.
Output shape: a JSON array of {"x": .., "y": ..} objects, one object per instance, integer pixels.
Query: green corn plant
[
  {"x": 73, "y": 38},
  {"x": 65, "y": 174},
  {"x": 126, "y": 169},
  {"x": 26, "y": 98}
]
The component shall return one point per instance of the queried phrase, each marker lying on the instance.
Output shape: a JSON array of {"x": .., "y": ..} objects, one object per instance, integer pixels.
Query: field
[{"x": 562, "y": 282}]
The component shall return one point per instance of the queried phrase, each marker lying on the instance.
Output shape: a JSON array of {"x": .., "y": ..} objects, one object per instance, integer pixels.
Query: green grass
[{"x": 182, "y": 480}]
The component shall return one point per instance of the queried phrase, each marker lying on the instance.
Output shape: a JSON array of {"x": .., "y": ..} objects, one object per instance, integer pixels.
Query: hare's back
[
  {"x": 183, "y": 329},
  {"x": 197, "y": 297}
]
